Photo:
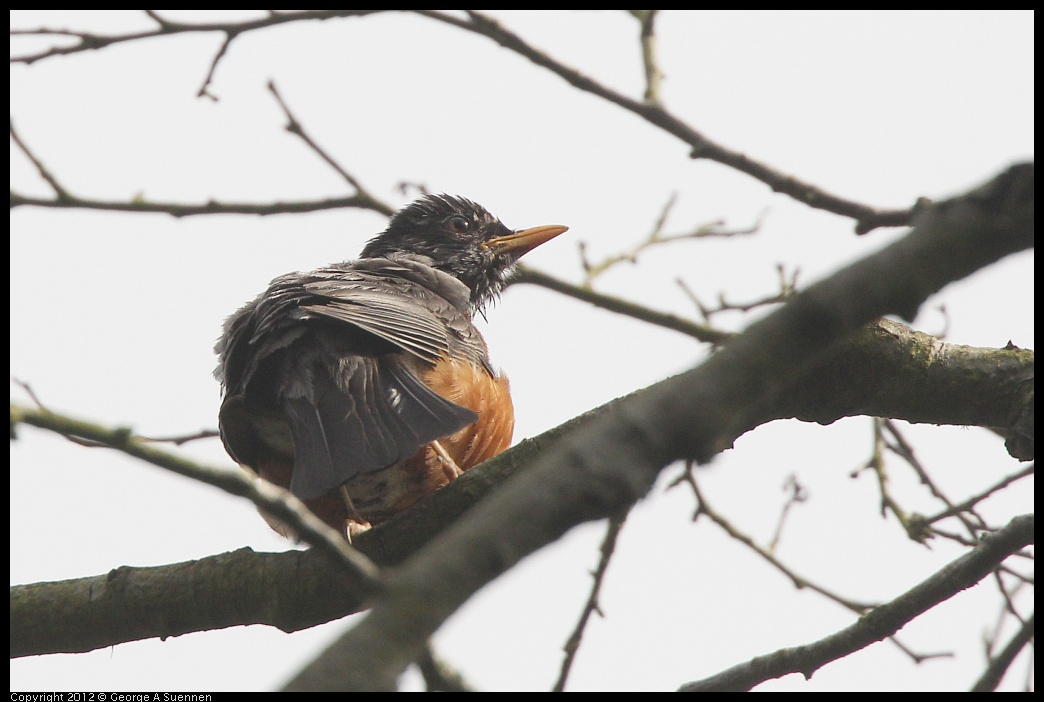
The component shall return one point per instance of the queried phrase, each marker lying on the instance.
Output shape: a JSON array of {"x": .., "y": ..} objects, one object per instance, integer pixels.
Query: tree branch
[
  {"x": 294, "y": 127},
  {"x": 273, "y": 500},
  {"x": 613, "y": 461},
  {"x": 290, "y": 591},
  {"x": 44, "y": 614},
  {"x": 87, "y": 41},
  {"x": 867, "y": 218},
  {"x": 592, "y": 606},
  {"x": 211, "y": 207},
  {"x": 999, "y": 665},
  {"x": 880, "y": 623},
  {"x": 702, "y": 332}
]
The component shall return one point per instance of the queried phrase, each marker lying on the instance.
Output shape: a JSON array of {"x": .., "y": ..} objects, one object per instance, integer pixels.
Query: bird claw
[
  {"x": 449, "y": 466},
  {"x": 352, "y": 529}
]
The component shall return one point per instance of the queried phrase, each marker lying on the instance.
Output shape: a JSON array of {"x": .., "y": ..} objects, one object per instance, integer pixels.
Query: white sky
[{"x": 113, "y": 316}]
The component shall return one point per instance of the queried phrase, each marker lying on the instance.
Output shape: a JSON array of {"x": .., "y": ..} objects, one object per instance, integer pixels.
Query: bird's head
[{"x": 461, "y": 238}]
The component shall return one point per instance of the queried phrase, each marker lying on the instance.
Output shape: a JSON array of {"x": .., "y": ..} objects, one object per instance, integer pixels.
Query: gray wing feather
[
  {"x": 296, "y": 353},
  {"x": 374, "y": 415}
]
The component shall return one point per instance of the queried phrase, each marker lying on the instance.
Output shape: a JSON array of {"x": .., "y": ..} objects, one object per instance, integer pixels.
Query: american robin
[{"x": 363, "y": 386}]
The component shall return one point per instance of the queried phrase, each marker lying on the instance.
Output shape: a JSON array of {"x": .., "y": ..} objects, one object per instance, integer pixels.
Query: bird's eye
[{"x": 458, "y": 225}]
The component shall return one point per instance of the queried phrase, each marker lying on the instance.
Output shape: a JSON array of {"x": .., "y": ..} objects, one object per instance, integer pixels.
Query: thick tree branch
[
  {"x": 613, "y": 461},
  {"x": 44, "y": 615},
  {"x": 291, "y": 591},
  {"x": 892, "y": 356},
  {"x": 301, "y": 589},
  {"x": 872, "y": 374}
]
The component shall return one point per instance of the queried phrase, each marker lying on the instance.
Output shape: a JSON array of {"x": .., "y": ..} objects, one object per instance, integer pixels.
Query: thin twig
[
  {"x": 876, "y": 463},
  {"x": 212, "y": 207},
  {"x": 901, "y": 447},
  {"x": 960, "y": 507},
  {"x": 797, "y": 494},
  {"x": 701, "y": 332},
  {"x": 703, "y": 508},
  {"x": 787, "y": 289},
  {"x": 294, "y": 127},
  {"x": 655, "y": 238},
  {"x": 182, "y": 438},
  {"x": 204, "y": 90},
  {"x": 572, "y": 645},
  {"x": 59, "y": 192},
  {"x": 999, "y": 665},
  {"x": 88, "y": 41},
  {"x": 653, "y": 75},
  {"x": 31, "y": 393}
]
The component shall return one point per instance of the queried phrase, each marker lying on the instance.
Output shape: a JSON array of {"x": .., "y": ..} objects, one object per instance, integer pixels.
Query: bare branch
[
  {"x": 900, "y": 446},
  {"x": 294, "y": 127},
  {"x": 867, "y": 218},
  {"x": 59, "y": 192},
  {"x": 703, "y": 508},
  {"x": 882, "y": 622},
  {"x": 211, "y": 207},
  {"x": 204, "y": 90},
  {"x": 524, "y": 274},
  {"x": 181, "y": 439},
  {"x": 999, "y": 665},
  {"x": 270, "y": 498},
  {"x": 657, "y": 237},
  {"x": 968, "y": 504},
  {"x": 87, "y": 41},
  {"x": 796, "y": 495},
  {"x": 787, "y": 289},
  {"x": 653, "y": 75},
  {"x": 291, "y": 591},
  {"x": 572, "y": 645}
]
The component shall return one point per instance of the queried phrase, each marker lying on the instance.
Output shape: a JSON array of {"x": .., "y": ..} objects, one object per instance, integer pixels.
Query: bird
[{"x": 363, "y": 386}]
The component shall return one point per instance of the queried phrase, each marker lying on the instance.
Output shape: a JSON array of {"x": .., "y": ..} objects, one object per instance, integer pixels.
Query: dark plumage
[{"x": 331, "y": 377}]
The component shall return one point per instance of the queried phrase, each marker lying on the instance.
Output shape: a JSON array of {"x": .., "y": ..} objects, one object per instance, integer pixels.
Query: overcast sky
[{"x": 113, "y": 317}]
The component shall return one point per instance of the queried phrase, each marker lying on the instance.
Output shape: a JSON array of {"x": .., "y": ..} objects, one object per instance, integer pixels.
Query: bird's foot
[
  {"x": 355, "y": 524},
  {"x": 352, "y": 529},
  {"x": 449, "y": 466}
]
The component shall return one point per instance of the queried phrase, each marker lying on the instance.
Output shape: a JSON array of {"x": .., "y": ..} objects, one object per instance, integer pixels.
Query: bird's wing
[
  {"x": 366, "y": 415},
  {"x": 408, "y": 325},
  {"x": 321, "y": 353},
  {"x": 407, "y": 304}
]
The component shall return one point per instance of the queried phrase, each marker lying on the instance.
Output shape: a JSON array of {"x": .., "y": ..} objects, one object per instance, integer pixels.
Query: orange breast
[{"x": 472, "y": 387}]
